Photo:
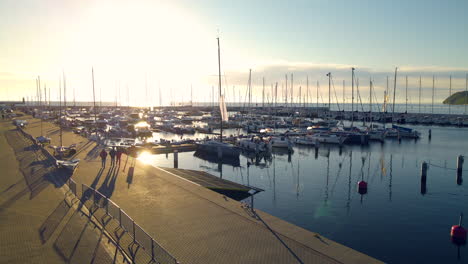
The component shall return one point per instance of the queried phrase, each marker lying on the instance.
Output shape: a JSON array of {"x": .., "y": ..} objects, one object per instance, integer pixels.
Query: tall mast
[
  {"x": 286, "y": 93},
  {"x": 370, "y": 102},
  {"x": 263, "y": 92},
  {"x": 37, "y": 93},
  {"x": 100, "y": 99},
  {"x": 329, "y": 91},
  {"x": 64, "y": 93},
  {"x": 300, "y": 96},
  {"x": 344, "y": 100},
  {"x": 60, "y": 110},
  {"x": 466, "y": 91},
  {"x": 219, "y": 84},
  {"x": 249, "y": 94},
  {"x": 40, "y": 101},
  {"x": 450, "y": 94},
  {"x": 116, "y": 94},
  {"x": 406, "y": 95},
  {"x": 292, "y": 90},
  {"x": 128, "y": 96},
  {"x": 307, "y": 92},
  {"x": 276, "y": 94},
  {"x": 146, "y": 90},
  {"x": 74, "y": 98},
  {"x": 419, "y": 94},
  {"x": 386, "y": 97},
  {"x": 394, "y": 92},
  {"x": 45, "y": 95},
  {"x": 433, "y": 88},
  {"x": 94, "y": 96},
  {"x": 352, "y": 96},
  {"x": 317, "y": 95},
  {"x": 159, "y": 92}
]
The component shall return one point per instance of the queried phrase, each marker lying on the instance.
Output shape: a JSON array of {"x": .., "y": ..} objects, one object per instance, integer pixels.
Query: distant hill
[{"x": 458, "y": 98}]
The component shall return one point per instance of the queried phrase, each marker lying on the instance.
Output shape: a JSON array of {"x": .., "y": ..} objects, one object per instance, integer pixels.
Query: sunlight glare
[{"x": 146, "y": 157}]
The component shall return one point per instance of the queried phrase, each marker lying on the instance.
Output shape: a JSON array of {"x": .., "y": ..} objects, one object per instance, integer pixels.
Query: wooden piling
[
  {"x": 423, "y": 171},
  {"x": 176, "y": 159}
]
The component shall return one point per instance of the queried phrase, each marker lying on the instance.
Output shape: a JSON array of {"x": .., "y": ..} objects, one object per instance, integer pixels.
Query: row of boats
[{"x": 313, "y": 136}]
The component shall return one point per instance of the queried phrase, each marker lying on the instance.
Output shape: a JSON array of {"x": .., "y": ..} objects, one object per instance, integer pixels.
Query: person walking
[
  {"x": 112, "y": 153},
  {"x": 118, "y": 155},
  {"x": 103, "y": 155}
]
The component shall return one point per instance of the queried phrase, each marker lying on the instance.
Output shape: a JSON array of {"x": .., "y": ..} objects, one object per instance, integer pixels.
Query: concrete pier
[{"x": 194, "y": 223}]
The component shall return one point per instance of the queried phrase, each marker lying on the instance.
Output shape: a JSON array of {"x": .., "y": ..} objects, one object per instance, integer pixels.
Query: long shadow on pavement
[
  {"x": 130, "y": 173},
  {"x": 108, "y": 186},
  {"x": 93, "y": 153},
  {"x": 53, "y": 221}
]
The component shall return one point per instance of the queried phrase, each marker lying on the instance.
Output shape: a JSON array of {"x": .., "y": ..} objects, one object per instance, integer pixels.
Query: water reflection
[{"x": 213, "y": 158}]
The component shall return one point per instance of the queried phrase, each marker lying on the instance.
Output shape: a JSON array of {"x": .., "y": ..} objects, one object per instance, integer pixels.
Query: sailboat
[
  {"x": 400, "y": 131},
  {"x": 220, "y": 148},
  {"x": 375, "y": 133}
]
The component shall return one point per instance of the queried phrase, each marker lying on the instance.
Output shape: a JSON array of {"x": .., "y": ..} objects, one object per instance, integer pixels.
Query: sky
[{"x": 150, "y": 51}]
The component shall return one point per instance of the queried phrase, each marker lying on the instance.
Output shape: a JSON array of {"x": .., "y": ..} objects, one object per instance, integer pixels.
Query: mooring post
[
  {"x": 430, "y": 134},
  {"x": 460, "y": 160},
  {"x": 423, "y": 171},
  {"x": 176, "y": 159},
  {"x": 220, "y": 153}
]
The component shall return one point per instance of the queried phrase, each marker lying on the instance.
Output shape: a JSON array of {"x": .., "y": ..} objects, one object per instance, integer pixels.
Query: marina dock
[
  {"x": 194, "y": 223},
  {"x": 231, "y": 189},
  {"x": 171, "y": 148}
]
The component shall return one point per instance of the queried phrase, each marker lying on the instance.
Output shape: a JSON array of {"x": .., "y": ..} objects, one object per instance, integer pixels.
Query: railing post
[
  {"x": 152, "y": 249},
  {"x": 107, "y": 206},
  {"x": 134, "y": 240},
  {"x": 120, "y": 217}
]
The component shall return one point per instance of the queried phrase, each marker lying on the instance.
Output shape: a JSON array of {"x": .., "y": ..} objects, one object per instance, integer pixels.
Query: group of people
[{"x": 115, "y": 155}]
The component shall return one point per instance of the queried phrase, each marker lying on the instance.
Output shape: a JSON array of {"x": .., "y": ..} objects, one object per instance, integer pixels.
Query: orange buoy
[{"x": 458, "y": 233}]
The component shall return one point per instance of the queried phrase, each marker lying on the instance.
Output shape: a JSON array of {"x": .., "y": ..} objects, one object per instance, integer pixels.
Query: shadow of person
[
  {"x": 130, "y": 173},
  {"x": 108, "y": 186},
  {"x": 93, "y": 153}
]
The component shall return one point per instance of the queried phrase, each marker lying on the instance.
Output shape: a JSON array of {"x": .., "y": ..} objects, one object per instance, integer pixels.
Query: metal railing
[{"x": 157, "y": 252}]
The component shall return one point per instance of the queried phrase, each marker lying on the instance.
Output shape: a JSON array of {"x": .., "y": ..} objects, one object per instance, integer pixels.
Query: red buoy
[
  {"x": 458, "y": 233},
  {"x": 362, "y": 187}
]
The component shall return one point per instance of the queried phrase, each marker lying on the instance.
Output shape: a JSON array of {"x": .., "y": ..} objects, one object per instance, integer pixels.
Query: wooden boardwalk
[{"x": 193, "y": 223}]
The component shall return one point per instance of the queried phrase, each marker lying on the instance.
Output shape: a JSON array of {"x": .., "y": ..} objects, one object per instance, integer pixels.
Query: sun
[{"x": 146, "y": 157}]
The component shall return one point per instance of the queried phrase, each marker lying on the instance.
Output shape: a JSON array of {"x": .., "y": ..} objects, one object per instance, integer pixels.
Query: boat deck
[{"x": 169, "y": 149}]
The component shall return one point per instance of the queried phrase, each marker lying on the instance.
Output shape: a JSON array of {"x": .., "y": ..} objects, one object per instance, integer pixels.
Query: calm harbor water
[{"x": 397, "y": 221}]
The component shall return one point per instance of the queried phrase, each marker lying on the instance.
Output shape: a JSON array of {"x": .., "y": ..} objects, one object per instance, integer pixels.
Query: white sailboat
[
  {"x": 220, "y": 148},
  {"x": 374, "y": 132}
]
